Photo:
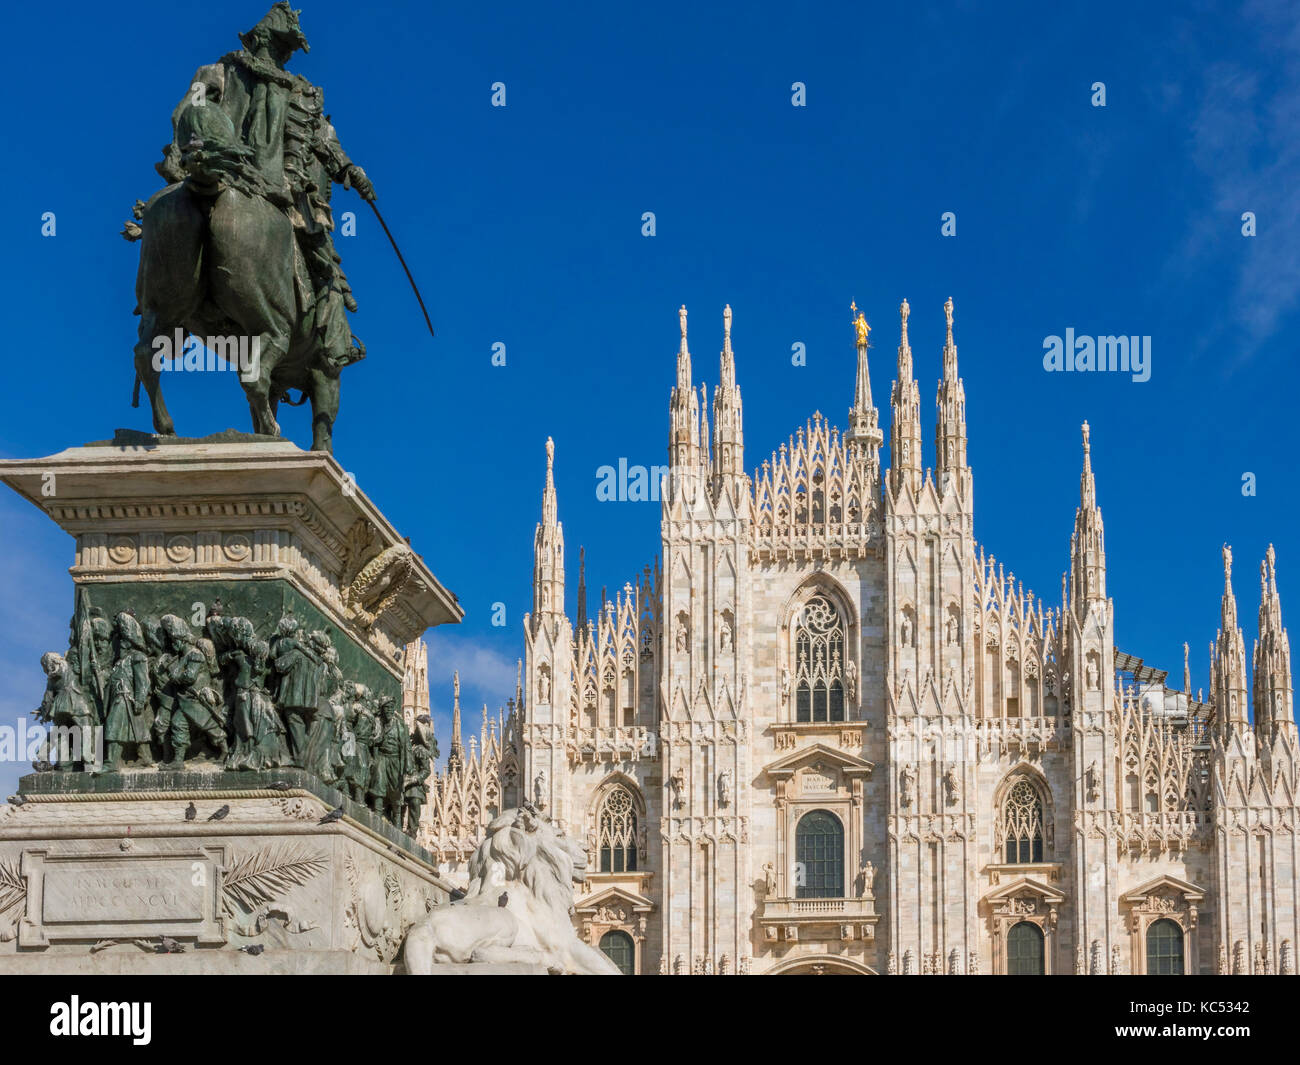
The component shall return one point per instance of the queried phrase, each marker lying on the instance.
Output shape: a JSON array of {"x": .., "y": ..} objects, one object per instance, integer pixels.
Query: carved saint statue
[
  {"x": 681, "y": 636},
  {"x": 868, "y": 880},
  {"x": 950, "y": 632},
  {"x": 544, "y": 687},
  {"x": 851, "y": 680},
  {"x": 905, "y": 630},
  {"x": 1091, "y": 675},
  {"x": 539, "y": 790},
  {"x": 951, "y": 786},
  {"x": 724, "y": 788},
  {"x": 677, "y": 785},
  {"x": 785, "y": 684},
  {"x": 907, "y": 785},
  {"x": 769, "y": 880}
]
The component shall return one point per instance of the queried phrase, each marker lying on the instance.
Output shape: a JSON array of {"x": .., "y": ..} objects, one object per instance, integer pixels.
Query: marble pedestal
[
  {"x": 97, "y": 870},
  {"x": 171, "y": 526}
]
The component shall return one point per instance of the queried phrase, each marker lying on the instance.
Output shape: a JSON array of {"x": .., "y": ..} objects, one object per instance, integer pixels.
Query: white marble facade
[{"x": 841, "y": 738}]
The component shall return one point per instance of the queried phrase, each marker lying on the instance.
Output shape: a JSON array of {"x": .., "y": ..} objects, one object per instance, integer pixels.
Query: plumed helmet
[{"x": 280, "y": 22}]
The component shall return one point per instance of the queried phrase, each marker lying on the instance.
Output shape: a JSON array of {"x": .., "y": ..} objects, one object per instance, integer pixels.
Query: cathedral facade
[{"x": 827, "y": 733}]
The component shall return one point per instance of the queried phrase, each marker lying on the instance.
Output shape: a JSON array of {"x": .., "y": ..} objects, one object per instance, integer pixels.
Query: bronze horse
[{"x": 218, "y": 258}]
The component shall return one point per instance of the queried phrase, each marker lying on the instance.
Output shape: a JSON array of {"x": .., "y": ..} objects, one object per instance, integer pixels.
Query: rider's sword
[{"x": 414, "y": 288}]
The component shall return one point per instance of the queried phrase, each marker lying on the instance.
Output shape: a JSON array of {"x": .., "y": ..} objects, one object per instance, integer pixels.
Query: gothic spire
[
  {"x": 457, "y": 756},
  {"x": 950, "y": 429},
  {"x": 1273, "y": 691},
  {"x": 582, "y": 590},
  {"x": 864, "y": 434},
  {"x": 1088, "y": 543},
  {"x": 728, "y": 431},
  {"x": 905, "y": 404},
  {"x": 1228, "y": 688},
  {"x": 684, "y": 431},
  {"x": 548, "y": 551}
]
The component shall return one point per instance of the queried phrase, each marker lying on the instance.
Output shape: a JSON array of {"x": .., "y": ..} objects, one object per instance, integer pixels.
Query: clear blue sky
[{"x": 523, "y": 225}]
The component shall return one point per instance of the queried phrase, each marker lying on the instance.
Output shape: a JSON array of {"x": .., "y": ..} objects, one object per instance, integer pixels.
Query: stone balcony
[
  {"x": 843, "y": 918},
  {"x": 1006, "y": 734},
  {"x": 626, "y": 743}
]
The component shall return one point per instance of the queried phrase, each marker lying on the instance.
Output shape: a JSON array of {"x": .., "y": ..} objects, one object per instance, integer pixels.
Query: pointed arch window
[
  {"x": 1022, "y": 824},
  {"x": 819, "y": 645},
  {"x": 616, "y": 832}
]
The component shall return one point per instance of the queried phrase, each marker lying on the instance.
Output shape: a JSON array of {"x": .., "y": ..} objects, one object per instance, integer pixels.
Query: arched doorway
[
  {"x": 618, "y": 948},
  {"x": 819, "y": 852},
  {"x": 1164, "y": 948},
  {"x": 1025, "y": 950}
]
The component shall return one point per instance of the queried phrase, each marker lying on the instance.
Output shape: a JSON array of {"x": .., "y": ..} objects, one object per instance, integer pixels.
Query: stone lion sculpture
[{"x": 517, "y": 906}]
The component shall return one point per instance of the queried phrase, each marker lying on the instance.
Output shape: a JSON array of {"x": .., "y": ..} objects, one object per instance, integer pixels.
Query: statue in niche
[
  {"x": 950, "y": 632},
  {"x": 544, "y": 687},
  {"x": 951, "y": 786},
  {"x": 417, "y": 778},
  {"x": 868, "y": 880},
  {"x": 65, "y": 706},
  {"x": 724, "y": 636},
  {"x": 905, "y": 630},
  {"x": 851, "y": 680},
  {"x": 907, "y": 785},
  {"x": 785, "y": 684},
  {"x": 724, "y": 788},
  {"x": 196, "y": 707},
  {"x": 677, "y": 785},
  {"x": 1090, "y": 781},
  {"x": 769, "y": 880},
  {"x": 129, "y": 724},
  {"x": 539, "y": 790},
  {"x": 681, "y": 636},
  {"x": 1091, "y": 676},
  {"x": 390, "y": 763}
]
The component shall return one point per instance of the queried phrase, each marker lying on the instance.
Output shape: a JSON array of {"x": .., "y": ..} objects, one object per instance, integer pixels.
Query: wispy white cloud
[{"x": 1245, "y": 139}]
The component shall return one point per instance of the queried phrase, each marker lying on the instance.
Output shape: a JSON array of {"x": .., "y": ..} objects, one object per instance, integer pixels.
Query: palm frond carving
[
  {"x": 263, "y": 876},
  {"x": 13, "y": 886}
]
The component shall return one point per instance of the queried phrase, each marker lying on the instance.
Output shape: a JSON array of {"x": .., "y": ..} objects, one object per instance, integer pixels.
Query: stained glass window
[
  {"x": 1022, "y": 824},
  {"x": 616, "y": 832},
  {"x": 819, "y": 662}
]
